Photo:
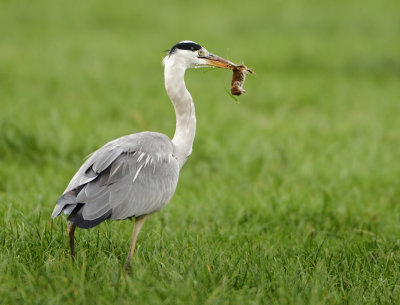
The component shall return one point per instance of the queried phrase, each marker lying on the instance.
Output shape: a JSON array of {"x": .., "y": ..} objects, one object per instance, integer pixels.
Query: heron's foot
[
  {"x": 127, "y": 266},
  {"x": 73, "y": 257},
  {"x": 127, "y": 269}
]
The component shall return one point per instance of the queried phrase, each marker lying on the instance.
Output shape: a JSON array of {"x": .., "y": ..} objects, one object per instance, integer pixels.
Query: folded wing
[{"x": 132, "y": 176}]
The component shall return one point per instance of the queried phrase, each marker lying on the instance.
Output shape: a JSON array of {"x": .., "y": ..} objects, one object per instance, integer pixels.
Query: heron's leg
[
  {"x": 139, "y": 221},
  {"x": 71, "y": 232}
]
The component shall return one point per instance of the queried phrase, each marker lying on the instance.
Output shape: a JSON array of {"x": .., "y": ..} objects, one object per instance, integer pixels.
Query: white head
[{"x": 188, "y": 54}]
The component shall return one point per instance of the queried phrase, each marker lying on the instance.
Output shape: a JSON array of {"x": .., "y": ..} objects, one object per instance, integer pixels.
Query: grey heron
[{"x": 136, "y": 175}]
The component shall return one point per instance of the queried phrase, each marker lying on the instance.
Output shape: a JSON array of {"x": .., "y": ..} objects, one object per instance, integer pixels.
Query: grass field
[{"x": 291, "y": 195}]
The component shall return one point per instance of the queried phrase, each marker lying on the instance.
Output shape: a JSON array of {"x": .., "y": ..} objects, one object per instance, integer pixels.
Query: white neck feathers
[{"x": 184, "y": 108}]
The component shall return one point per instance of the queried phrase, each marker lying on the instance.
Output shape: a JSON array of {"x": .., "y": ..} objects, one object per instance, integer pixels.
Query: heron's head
[{"x": 189, "y": 54}]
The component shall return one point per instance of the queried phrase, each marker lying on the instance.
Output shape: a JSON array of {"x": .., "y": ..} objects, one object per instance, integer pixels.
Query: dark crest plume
[{"x": 185, "y": 45}]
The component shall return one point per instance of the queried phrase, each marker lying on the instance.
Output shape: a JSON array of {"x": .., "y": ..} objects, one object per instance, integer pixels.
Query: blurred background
[
  {"x": 313, "y": 146},
  {"x": 75, "y": 75}
]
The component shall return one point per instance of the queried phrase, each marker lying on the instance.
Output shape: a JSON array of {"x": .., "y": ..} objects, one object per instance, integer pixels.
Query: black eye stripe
[{"x": 191, "y": 46}]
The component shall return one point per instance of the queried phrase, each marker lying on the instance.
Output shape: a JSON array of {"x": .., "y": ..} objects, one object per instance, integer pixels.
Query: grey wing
[{"x": 131, "y": 176}]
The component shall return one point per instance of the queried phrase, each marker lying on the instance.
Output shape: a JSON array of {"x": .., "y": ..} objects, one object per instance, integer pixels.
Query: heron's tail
[{"x": 67, "y": 202}]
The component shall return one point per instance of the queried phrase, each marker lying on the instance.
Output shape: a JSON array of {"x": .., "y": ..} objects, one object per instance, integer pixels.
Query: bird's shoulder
[
  {"x": 144, "y": 147},
  {"x": 147, "y": 141}
]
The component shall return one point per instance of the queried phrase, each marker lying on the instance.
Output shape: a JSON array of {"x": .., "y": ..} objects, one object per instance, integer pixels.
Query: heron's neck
[{"x": 184, "y": 110}]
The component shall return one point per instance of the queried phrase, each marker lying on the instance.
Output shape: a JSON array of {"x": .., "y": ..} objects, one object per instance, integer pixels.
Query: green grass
[{"x": 290, "y": 196}]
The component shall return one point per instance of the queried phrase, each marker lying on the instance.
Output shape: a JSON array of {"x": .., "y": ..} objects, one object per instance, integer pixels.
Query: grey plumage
[
  {"x": 131, "y": 176},
  {"x": 136, "y": 175}
]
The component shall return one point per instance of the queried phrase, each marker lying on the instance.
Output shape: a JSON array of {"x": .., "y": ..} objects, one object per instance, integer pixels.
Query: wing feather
[{"x": 131, "y": 176}]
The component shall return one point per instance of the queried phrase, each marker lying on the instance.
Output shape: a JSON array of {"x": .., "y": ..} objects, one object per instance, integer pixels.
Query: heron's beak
[{"x": 216, "y": 61}]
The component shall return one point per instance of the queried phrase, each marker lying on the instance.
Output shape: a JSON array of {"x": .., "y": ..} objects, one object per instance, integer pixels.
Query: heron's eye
[{"x": 202, "y": 53}]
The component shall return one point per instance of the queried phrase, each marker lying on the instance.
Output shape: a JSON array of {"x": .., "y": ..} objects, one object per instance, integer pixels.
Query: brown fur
[{"x": 239, "y": 75}]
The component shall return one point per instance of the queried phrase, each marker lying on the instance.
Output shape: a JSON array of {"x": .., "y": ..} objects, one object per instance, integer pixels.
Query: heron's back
[{"x": 131, "y": 176}]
